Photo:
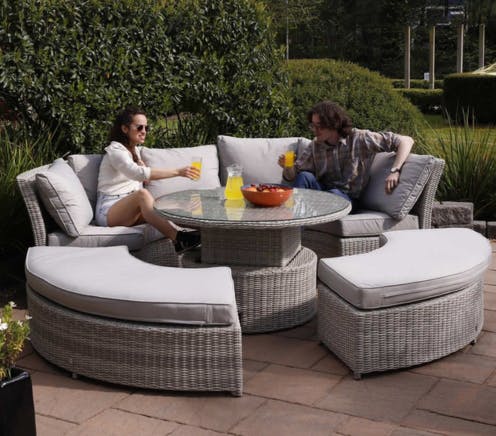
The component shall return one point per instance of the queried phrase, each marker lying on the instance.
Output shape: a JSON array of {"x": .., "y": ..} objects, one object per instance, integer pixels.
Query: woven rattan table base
[
  {"x": 272, "y": 298},
  {"x": 153, "y": 356},
  {"x": 399, "y": 336}
]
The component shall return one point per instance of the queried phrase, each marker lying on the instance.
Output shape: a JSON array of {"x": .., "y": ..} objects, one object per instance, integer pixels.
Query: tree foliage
[{"x": 372, "y": 32}]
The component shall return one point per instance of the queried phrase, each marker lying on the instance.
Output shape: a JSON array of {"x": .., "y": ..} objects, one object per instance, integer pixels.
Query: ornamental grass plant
[
  {"x": 470, "y": 171},
  {"x": 13, "y": 334}
]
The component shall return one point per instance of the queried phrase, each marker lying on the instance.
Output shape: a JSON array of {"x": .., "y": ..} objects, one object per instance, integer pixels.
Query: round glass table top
[{"x": 209, "y": 208}]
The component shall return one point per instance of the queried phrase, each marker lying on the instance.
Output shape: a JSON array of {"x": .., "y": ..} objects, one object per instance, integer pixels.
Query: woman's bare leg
[{"x": 138, "y": 207}]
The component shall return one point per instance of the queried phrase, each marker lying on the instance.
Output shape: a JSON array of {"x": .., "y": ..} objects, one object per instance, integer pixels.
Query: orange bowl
[{"x": 267, "y": 194}]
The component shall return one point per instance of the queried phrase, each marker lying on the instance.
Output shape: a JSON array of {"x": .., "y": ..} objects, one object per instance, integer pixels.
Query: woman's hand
[
  {"x": 189, "y": 172},
  {"x": 392, "y": 181},
  {"x": 282, "y": 160}
]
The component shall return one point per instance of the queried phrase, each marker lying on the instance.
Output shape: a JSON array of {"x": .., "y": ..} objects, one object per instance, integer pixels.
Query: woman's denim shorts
[{"x": 103, "y": 203}]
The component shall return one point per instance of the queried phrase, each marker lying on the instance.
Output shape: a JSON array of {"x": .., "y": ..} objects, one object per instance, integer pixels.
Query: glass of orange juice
[
  {"x": 289, "y": 158},
  {"x": 196, "y": 161}
]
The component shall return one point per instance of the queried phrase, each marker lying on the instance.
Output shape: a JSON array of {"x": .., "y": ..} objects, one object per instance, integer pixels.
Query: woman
[{"x": 121, "y": 198}]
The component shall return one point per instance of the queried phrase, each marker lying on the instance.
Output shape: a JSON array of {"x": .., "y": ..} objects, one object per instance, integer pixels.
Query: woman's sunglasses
[{"x": 140, "y": 127}]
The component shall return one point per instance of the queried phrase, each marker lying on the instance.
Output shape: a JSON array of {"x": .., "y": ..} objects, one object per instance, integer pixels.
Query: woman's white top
[{"x": 119, "y": 174}]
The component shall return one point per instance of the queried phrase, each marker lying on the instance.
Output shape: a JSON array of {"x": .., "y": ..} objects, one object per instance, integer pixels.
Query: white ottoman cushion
[
  {"x": 413, "y": 265},
  {"x": 108, "y": 281}
]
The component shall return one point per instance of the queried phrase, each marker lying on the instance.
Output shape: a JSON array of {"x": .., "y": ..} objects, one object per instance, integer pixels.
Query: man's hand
[
  {"x": 282, "y": 160},
  {"x": 392, "y": 181}
]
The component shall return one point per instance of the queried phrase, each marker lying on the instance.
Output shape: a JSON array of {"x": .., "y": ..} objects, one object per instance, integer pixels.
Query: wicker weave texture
[
  {"x": 273, "y": 298},
  {"x": 401, "y": 336},
  {"x": 154, "y": 356},
  {"x": 263, "y": 247}
]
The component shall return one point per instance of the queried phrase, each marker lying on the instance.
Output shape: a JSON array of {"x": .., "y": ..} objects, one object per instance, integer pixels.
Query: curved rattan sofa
[{"x": 101, "y": 313}]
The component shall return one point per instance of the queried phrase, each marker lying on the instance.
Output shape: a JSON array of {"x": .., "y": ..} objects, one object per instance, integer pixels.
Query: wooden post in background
[
  {"x": 407, "y": 56},
  {"x": 482, "y": 44},
  {"x": 432, "y": 56},
  {"x": 459, "y": 49}
]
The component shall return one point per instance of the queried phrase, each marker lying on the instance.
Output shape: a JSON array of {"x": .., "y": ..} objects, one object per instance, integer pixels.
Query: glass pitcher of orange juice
[{"x": 234, "y": 183}]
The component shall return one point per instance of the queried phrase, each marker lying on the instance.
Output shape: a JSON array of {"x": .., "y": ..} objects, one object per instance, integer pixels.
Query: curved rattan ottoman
[
  {"x": 424, "y": 320},
  {"x": 150, "y": 355}
]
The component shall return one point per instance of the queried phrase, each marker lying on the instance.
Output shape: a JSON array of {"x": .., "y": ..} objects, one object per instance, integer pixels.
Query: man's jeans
[{"x": 307, "y": 180}]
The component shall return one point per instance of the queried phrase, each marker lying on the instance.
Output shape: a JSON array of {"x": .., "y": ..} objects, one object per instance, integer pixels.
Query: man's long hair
[{"x": 332, "y": 116}]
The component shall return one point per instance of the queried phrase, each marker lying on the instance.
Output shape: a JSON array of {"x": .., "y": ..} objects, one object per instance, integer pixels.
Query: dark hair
[
  {"x": 124, "y": 118},
  {"x": 332, "y": 116}
]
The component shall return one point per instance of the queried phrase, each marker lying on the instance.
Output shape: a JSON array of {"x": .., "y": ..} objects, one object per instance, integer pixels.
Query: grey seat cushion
[
  {"x": 412, "y": 265},
  {"x": 110, "y": 282},
  {"x": 366, "y": 223}
]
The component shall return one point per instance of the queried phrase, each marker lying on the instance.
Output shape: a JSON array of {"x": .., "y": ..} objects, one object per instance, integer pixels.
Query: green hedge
[
  {"x": 74, "y": 63},
  {"x": 427, "y": 100},
  {"x": 416, "y": 83},
  {"x": 470, "y": 93},
  {"x": 368, "y": 97}
]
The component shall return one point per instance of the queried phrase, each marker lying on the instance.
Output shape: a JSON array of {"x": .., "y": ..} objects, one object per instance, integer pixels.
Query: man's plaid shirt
[{"x": 346, "y": 166}]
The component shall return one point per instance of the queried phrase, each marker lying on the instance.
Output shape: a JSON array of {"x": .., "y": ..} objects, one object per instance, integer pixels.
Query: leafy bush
[
  {"x": 368, "y": 97},
  {"x": 470, "y": 171},
  {"x": 74, "y": 63},
  {"x": 475, "y": 93},
  {"x": 19, "y": 152},
  {"x": 427, "y": 100}
]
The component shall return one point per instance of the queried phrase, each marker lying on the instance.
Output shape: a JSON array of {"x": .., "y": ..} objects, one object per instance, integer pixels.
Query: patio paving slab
[
  {"x": 387, "y": 397},
  {"x": 331, "y": 364},
  {"x": 294, "y": 385},
  {"x": 490, "y": 320},
  {"x": 114, "y": 422},
  {"x": 447, "y": 424},
  {"x": 280, "y": 418},
  {"x": 282, "y": 350},
  {"x": 46, "y": 425},
  {"x": 490, "y": 300},
  {"x": 466, "y": 400},
  {"x": 460, "y": 366},
  {"x": 365, "y": 427},
  {"x": 59, "y": 396},
  {"x": 486, "y": 344},
  {"x": 217, "y": 412}
]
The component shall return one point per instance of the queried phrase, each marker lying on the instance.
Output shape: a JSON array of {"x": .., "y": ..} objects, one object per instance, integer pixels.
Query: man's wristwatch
[{"x": 395, "y": 170}]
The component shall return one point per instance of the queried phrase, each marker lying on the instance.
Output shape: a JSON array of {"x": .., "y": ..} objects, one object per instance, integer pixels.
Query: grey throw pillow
[
  {"x": 64, "y": 197},
  {"x": 257, "y": 156},
  {"x": 414, "y": 175}
]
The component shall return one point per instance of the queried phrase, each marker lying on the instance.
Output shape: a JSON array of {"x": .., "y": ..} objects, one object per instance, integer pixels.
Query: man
[{"x": 339, "y": 158}]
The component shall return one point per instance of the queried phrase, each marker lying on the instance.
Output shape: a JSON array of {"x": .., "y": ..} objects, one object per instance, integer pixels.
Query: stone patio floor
[{"x": 292, "y": 386}]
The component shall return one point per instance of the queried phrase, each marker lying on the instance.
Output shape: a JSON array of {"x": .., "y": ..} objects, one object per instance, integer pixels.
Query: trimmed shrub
[
  {"x": 427, "y": 100},
  {"x": 367, "y": 96},
  {"x": 470, "y": 93},
  {"x": 416, "y": 83},
  {"x": 74, "y": 63}
]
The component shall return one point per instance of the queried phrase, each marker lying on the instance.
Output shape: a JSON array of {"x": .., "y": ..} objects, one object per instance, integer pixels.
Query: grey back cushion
[
  {"x": 87, "y": 167},
  {"x": 178, "y": 158},
  {"x": 257, "y": 156},
  {"x": 414, "y": 175},
  {"x": 64, "y": 197}
]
